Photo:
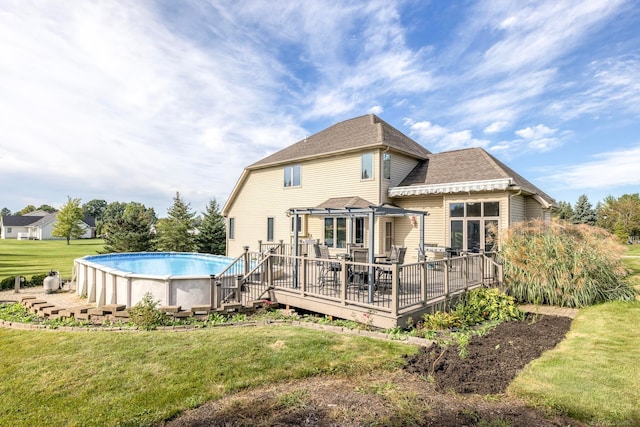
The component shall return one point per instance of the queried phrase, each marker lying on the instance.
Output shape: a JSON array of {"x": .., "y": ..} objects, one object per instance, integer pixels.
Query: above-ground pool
[{"x": 172, "y": 278}]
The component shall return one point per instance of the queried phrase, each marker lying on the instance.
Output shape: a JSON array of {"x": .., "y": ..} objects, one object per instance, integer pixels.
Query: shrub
[
  {"x": 37, "y": 279},
  {"x": 482, "y": 304},
  {"x": 10, "y": 283},
  {"x": 563, "y": 264},
  {"x": 145, "y": 314}
]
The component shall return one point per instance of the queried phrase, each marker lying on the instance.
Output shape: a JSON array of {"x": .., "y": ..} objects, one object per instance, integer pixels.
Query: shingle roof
[
  {"x": 361, "y": 132},
  {"x": 345, "y": 202},
  {"x": 471, "y": 164},
  {"x": 19, "y": 220}
]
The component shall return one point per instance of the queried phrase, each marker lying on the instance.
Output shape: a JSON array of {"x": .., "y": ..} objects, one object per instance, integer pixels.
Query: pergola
[{"x": 357, "y": 211}]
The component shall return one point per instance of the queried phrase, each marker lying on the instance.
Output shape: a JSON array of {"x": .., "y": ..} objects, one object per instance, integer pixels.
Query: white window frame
[
  {"x": 232, "y": 228},
  {"x": 366, "y": 164},
  {"x": 290, "y": 173}
]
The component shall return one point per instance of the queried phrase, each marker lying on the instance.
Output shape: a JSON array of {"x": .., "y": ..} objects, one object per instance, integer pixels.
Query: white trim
[{"x": 451, "y": 187}]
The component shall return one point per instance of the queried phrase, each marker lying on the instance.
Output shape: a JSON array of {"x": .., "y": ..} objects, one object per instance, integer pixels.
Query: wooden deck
[{"x": 381, "y": 295}]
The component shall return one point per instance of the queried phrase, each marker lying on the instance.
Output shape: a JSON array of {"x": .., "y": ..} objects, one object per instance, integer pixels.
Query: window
[
  {"x": 359, "y": 230},
  {"x": 292, "y": 176},
  {"x": 474, "y": 225},
  {"x": 9, "y": 230},
  {"x": 293, "y": 224},
  {"x": 232, "y": 228},
  {"x": 386, "y": 166},
  {"x": 367, "y": 166},
  {"x": 270, "y": 225},
  {"x": 335, "y": 232}
]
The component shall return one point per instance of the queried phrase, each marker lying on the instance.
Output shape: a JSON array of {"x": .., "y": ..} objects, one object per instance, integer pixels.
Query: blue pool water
[{"x": 163, "y": 263}]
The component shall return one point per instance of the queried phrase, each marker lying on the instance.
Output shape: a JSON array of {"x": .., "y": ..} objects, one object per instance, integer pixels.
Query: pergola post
[
  {"x": 372, "y": 242},
  {"x": 296, "y": 250}
]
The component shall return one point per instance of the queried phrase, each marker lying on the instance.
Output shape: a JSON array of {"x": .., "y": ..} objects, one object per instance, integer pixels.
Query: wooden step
[
  {"x": 183, "y": 314},
  {"x": 48, "y": 311},
  {"x": 95, "y": 311},
  {"x": 201, "y": 309},
  {"x": 31, "y": 302},
  {"x": 81, "y": 309},
  {"x": 112, "y": 308},
  {"x": 170, "y": 308},
  {"x": 121, "y": 314},
  {"x": 230, "y": 307}
]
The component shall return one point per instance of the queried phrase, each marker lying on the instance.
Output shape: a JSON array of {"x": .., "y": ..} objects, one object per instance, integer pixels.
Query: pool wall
[{"x": 104, "y": 285}]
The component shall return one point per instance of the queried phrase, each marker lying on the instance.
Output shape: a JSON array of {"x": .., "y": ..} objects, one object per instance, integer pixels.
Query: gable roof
[
  {"x": 471, "y": 169},
  {"x": 19, "y": 220},
  {"x": 367, "y": 131}
]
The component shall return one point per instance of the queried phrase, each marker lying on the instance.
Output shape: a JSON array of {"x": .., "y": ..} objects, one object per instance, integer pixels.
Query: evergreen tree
[
  {"x": 583, "y": 213},
  {"x": 68, "y": 221},
  {"x": 176, "y": 232},
  {"x": 129, "y": 230},
  {"x": 5, "y": 212},
  {"x": 563, "y": 211},
  {"x": 212, "y": 233}
]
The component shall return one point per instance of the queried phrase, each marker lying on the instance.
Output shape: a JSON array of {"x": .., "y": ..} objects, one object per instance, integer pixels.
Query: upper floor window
[
  {"x": 232, "y": 228},
  {"x": 292, "y": 176},
  {"x": 386, "y": 166},
  {"x": 367, "y": 166}
]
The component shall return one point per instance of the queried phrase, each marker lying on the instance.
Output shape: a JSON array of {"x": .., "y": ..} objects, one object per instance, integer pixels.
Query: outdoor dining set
[{"x": 359, "y": 270}]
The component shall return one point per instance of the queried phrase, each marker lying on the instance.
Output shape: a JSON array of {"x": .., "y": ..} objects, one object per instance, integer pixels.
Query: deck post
[
  {"x": 238, "y": 287},
  {"x": 447, "y": 269},
  {"x": 395, "y": 287},
  {"x": 246, "y": 260},
  {"x": 423, "y": 281},
  {"x": 303, "y": 285}
]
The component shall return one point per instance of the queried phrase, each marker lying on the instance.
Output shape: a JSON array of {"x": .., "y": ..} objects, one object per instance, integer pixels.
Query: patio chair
[
  {"x": 384, "y": 279},
  {"x": 359, "y": 274},
  {"x": 328, "y": 269}
]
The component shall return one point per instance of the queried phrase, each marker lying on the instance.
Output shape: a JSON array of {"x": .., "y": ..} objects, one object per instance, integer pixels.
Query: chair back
[
  {"x": 397, "y": 255},
  {"x": 360, "y": 255},
  {"x": 321, "y": 251}
]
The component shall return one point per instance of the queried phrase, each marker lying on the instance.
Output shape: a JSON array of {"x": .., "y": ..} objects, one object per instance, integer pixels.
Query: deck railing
[{"x": 389, "y": 288}]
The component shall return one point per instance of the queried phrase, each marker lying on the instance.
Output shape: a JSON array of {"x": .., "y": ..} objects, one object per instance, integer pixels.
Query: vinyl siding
[
  {"x": 533, "y": 209},
  {"x": 517, "y": 209},
  {"x": 401, "y": 165},
  {"x": 263, "y": 195}
]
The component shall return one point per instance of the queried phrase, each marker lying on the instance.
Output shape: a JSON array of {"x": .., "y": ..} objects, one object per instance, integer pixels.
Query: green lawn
[
  {"x": 29, "y": 257},
  {"x": 594, "y": 374},
  {"x": 140, "y": 378}
]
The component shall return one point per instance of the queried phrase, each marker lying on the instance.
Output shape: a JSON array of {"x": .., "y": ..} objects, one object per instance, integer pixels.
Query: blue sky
[{"x": 135, "y": 100}]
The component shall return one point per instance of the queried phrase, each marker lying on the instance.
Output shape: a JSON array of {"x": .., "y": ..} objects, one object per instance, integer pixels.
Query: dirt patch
[
  {"x": 493, "y": 360},
  {"x": 454, "y": 395}
]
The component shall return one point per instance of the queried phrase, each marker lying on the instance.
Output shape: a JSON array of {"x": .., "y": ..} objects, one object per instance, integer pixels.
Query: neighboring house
[
  {"x": 38, "y": 225},
  {"x": 362, "y": 163}
]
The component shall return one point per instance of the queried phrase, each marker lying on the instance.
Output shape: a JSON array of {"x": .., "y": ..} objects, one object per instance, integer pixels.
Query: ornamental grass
[{"x": 564, "y": 264}]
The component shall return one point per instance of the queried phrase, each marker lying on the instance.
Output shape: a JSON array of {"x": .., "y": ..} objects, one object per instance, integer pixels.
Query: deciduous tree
[{"x": 68, "y": 221}]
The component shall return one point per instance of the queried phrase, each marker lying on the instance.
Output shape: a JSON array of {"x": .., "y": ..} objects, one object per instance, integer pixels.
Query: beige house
[{"x": 455, "y": 199}]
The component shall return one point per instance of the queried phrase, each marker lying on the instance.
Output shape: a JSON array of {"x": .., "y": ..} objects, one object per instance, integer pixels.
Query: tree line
[
  {"x": 132, "y": 227},
  {"x": 618, "y": 215}
]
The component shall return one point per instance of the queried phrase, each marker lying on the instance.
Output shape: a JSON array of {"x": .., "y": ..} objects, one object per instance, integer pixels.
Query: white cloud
[
  {"x": 436, "y": 137},
  {"x": 496, "y": 127},
  {"x": 609, "y": 170},
  {"x": 535, "y": 132}
]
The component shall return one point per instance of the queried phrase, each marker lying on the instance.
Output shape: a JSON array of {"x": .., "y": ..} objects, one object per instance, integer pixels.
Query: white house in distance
[
  {"x": 38, "y": 225},
  {"x": 365, "y": 163}
]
